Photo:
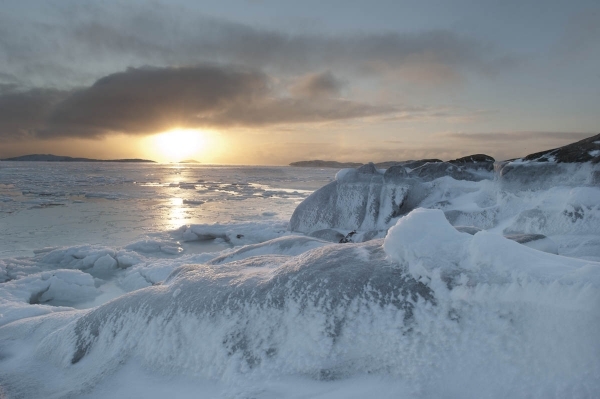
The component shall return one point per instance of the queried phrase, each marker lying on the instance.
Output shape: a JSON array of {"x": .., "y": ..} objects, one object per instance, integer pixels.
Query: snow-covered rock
[{"x": 358, "y": 199}]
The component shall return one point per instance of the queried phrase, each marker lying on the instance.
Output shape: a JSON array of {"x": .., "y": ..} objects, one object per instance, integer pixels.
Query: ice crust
[
  {"x": 427, "y": 299},
  {"x": 429, "y": 306}
]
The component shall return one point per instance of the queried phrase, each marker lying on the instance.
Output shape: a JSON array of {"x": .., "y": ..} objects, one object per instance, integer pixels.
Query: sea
[{"x": 53, "y": 204}]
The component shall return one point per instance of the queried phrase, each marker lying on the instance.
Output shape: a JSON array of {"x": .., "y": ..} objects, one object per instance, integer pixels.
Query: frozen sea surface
[
  {"x": 126, "y": 280},
  {"x": 49, "y": 204}
]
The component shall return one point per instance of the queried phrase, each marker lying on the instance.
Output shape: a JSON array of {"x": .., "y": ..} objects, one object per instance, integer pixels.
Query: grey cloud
[
  {"x": 149, "y": 100},
  {"x": 107, "y": 38},
  {"x": 23, "y": 113},
  {"x": 323, "y": 84}
]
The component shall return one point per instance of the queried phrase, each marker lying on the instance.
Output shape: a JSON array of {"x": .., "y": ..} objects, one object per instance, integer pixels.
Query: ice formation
[{"x": 428, "y": 279}]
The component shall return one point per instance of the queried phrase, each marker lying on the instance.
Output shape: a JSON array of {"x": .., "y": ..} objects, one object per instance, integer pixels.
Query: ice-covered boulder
[
  {"x": 359, "y": 199},
  {"x": 369, "y": 199}
]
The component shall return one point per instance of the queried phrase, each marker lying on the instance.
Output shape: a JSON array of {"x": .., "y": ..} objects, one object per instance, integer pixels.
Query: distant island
[
  {"x": 317, "y": 163},
  {"x": 475, "y": 158},
  {"x": 60, "y": 158},
  {"x": 189, "y": 161}
]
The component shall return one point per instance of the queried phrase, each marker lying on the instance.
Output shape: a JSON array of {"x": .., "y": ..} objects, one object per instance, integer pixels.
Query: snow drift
[{"x": 430, "y": 306}]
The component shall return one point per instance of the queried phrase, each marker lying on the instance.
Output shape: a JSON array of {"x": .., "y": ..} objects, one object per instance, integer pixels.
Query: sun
[{"x": 180, "y": 144}]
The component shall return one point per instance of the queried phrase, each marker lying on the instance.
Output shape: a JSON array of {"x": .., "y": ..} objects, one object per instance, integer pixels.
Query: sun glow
[{"x": 180, "y": 144}]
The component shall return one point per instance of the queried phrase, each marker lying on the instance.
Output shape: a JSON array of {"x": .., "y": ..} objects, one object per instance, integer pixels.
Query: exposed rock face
[
  {"x": 476, "y": 161},
  {"x": 421, "y": 162},
  {"x": 586, "y": 150},
  {"x": 470, "y": 159},
  {"x": 432, "y": 171},
  {"x": 580, "y": 161}
]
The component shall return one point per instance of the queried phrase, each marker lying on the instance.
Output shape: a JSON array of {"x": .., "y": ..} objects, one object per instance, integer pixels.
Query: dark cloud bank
[{"x": 149, "y": 100}]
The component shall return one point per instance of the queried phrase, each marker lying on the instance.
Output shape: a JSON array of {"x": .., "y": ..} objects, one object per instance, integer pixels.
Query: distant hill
[
  {"x": 326, "y": 164},
  {"x": 411, "y": 164},
  {"x": 189, "y": 161},
  {"x": 59, "y": 158}
]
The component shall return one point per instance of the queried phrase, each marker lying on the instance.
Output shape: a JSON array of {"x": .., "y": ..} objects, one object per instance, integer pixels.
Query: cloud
[
  {"x": 149, "y": 100},
  {"x": 105, "y": 37},
  {"x": 23, "y": 113},
  {"x": 323, "y": 84}
]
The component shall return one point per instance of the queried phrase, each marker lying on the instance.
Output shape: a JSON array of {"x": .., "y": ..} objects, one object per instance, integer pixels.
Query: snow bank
[{"x": 438, "y": 311}]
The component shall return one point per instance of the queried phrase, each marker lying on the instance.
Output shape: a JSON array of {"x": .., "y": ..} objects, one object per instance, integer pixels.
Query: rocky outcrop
[
  {"x": 586, "y": 150},
  {"x": 580, "y": 161},
  {"x": 432, "y": 171},
  {"x": 476, "y": 161}
]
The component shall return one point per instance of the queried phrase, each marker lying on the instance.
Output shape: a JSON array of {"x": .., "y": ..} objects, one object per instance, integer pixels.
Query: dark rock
[
  {"x": 421, "y": 162},
  {"x": 348, "y": 237},
  {"x": 476, "y": 161},
  {"x": 432, "y": 171},
  {"x": 525, "y": 238},
  {"x": 476, "y": 158},
  {"x": 586, "y": 150}
]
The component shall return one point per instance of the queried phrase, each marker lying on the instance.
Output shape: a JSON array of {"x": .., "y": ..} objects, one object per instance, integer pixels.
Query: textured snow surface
[{"x": 232, "y": 304}]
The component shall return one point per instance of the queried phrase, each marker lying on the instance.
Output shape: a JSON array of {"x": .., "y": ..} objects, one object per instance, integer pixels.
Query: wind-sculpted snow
[{"x": 432, "y": 308}]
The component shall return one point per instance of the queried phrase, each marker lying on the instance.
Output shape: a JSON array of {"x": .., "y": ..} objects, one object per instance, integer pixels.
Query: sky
[{"x": 272, "y": 82}]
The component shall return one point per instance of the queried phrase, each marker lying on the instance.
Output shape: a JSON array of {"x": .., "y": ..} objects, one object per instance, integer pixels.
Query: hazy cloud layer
[
  {"x": 83, "y": 41},
  {"x": 149, "y": 100}
]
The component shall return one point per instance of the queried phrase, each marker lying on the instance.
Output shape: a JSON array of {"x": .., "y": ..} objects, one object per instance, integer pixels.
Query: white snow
[{"x": 149, "y": 297}]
